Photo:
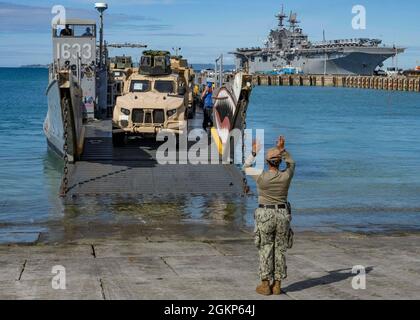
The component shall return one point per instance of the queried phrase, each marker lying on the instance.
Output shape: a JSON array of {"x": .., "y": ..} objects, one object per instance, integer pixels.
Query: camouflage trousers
[{"x": 273, "y": 236}]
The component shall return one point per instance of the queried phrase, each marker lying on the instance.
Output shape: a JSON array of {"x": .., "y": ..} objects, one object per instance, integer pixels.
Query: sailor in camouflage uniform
[{"x": 273, "y": 235}]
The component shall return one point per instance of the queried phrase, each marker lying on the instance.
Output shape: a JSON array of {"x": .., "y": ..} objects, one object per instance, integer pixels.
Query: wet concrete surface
[{"x": 207, "y": 261}]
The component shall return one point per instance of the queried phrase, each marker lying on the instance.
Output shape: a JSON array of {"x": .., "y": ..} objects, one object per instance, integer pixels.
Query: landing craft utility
[
  {"x": 72, "y": 90},
  {"x": 158, "y": 97}
]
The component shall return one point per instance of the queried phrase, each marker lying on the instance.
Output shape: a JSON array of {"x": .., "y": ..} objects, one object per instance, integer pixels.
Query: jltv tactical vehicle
[
  {"x": 187, "y": 80},
  {"x": 153, "y": 100},
  {"x": 121, "y": 68}
]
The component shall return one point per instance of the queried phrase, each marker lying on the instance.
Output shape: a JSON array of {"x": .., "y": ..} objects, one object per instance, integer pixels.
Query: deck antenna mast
[
  {"x": 281, "y": 16},
  {"x": 293, "y": 21}
]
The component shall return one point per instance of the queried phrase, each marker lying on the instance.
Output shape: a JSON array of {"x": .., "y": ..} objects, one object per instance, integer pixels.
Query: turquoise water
[
  {"x": 27, "y": 172},
  {"x": 357, "y": 153}
]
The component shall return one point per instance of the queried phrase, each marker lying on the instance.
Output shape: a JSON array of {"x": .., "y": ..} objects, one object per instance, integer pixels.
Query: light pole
[
  {"x": 219, "y": 65},
  {"x": 101, "y": 7}
]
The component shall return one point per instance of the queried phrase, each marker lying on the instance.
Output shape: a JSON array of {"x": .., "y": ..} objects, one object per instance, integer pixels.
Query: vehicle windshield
[
  {"x": 146, "y": 61},
  {"x": 140, "y": 86},
  {"x": 164, "y": 86}
]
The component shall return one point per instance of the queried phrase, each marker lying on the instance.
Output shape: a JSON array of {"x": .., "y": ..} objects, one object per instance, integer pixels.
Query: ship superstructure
[{"x": 288, "y": 46}]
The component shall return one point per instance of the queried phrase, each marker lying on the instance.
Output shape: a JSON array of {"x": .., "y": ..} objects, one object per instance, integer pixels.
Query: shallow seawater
[{"x": 357, "y": 154}]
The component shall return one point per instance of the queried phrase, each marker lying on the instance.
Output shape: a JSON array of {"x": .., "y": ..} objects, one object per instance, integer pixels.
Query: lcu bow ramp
[{"x": 133, "y": 170}]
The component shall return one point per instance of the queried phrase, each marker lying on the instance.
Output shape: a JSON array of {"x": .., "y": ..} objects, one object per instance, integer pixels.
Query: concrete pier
[
  {"x": 173, "y": 261},
  {"x": 400, "y": 83}
]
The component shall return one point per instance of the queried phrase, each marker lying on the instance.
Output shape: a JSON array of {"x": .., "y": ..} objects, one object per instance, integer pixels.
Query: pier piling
[{"x": 400, "y": 83}]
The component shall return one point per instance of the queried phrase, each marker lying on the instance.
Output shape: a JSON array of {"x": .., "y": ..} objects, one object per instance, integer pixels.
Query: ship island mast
[
  {"x": 293, "y": 21},
  {"x": 281, "y": 16}
]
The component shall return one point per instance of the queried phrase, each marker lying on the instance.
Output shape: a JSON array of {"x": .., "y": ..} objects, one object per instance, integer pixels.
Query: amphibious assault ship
[{"x": 289, "y": 47}]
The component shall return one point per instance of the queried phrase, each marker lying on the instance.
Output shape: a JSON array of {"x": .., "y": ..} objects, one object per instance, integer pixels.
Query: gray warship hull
[
  {"x": 357, "y": 61},
  {"x": 290, "y": 47}
]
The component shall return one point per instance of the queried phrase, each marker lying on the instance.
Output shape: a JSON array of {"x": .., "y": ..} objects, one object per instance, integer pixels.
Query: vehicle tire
[
  {"x": 190, "y": 113},
  {"x": 177, "y": 142},
  {"x": 118, "y": 139},
  {"x": 196, "y": 105}
]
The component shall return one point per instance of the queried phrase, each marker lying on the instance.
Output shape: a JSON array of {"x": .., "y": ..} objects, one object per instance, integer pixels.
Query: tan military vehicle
[
  {"x": 187, "y": 79},
  {"x": 153, "y": 100},
  {"x": 121, "y": 68}
]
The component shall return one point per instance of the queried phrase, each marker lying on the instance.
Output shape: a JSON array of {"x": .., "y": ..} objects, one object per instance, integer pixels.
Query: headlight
[
  {"x": 125, "y": 111},
  {"x": 170, "y": 113}
]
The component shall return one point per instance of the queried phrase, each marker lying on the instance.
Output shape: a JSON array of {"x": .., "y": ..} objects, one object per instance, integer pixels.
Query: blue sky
[{"x": 204, "y": 29}]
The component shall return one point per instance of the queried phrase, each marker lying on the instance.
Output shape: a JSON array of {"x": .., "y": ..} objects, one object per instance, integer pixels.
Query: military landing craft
[
  {"x": 82, "y": 117},
  {"x": 72, "y": 88}
]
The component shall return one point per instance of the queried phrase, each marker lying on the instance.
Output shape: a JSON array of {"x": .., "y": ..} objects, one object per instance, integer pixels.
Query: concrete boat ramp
[{"x": 209, "y": 262}]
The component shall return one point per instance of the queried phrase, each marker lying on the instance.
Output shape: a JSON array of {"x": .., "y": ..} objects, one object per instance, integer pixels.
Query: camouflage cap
[{"x": 273, "y": 154}]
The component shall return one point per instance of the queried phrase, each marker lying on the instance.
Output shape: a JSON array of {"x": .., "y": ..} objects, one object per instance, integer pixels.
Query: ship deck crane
[{"x": 126, "y": 45}]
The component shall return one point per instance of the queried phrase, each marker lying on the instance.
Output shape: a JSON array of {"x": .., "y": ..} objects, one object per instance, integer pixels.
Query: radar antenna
[
  {"x": 293, "y": 21},
  {"x": 281, "y": 16}
]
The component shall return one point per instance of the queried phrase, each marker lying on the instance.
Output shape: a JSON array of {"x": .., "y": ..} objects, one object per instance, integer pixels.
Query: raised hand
[
  {"x": 281, "y": 143},
  {"x": 256, "y": 146}
]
